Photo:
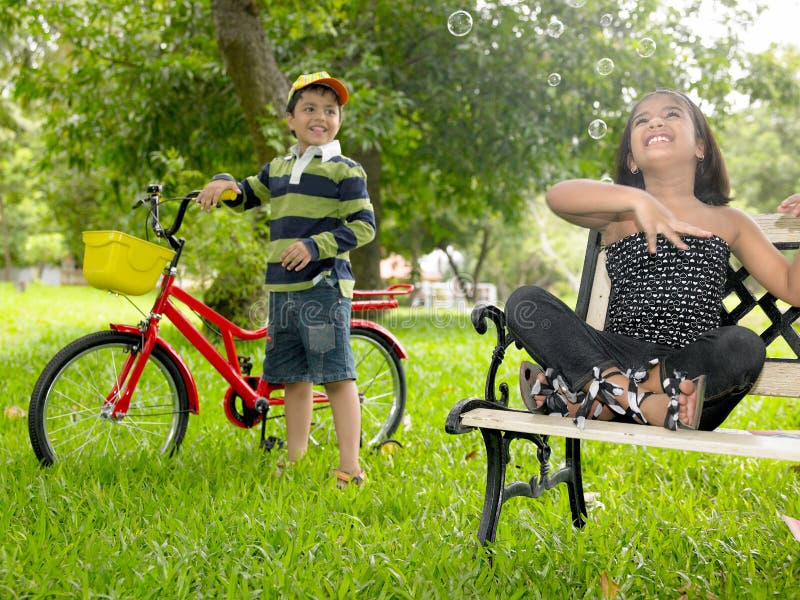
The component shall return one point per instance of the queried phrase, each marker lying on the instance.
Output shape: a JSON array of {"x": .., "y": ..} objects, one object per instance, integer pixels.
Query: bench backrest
[{"x": 781, "y": 376}]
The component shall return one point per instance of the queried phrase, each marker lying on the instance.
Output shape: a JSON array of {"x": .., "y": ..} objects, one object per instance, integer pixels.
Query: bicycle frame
[{"x": 118, "y": 401}]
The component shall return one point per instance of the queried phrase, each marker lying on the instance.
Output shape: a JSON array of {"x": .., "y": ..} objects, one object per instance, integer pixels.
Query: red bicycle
[{"x": 128, "y": 390}]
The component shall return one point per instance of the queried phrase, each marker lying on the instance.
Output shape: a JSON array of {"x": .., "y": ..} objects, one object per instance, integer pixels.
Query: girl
[{"x": 663, "y": 358}]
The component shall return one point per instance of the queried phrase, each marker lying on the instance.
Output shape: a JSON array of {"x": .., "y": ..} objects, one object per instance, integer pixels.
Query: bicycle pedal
[{"x": 271, "y": 442}]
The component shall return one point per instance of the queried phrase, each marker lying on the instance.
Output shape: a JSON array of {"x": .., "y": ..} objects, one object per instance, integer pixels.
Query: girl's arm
[
  {"x": 595, "y": 205},
  {"x": 765, "y": 263}
]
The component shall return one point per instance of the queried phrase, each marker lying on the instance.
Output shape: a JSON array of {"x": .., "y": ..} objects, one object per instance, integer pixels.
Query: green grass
[{"x": 214, "y": 522}]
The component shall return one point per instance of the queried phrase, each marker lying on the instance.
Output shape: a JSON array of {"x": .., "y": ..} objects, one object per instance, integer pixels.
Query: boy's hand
[
  {"x": 296, "y": 257},
  {"x": 216, "y": 191},
  {"x": 791, "y": 205}
]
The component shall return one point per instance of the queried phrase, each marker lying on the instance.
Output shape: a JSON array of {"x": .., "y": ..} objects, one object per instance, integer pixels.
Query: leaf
[
  {"x": 471, "y": 454},
  {"x": 793, "y": 525},
  {"x": 14, "y": 412},
  {"x": 608, "y": 586}
]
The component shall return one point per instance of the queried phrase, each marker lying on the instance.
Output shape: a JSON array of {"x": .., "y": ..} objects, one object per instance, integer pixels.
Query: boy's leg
[
  {"x": 298, "y": 408},
  {"x": 346, "y": 409}
]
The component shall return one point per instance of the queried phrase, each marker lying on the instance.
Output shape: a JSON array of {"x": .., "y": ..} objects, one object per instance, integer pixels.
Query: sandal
[
  {"x": 671, "y": 386},
  {"x": 635, "y": 399},
  {"x": 530, "y": 387},
  {"x": 344, "y": 479},
  {"x": 605, "y": 392}
]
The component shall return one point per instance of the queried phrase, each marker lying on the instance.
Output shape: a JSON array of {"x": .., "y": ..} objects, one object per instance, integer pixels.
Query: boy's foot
[{"x": 344, "y": 479}]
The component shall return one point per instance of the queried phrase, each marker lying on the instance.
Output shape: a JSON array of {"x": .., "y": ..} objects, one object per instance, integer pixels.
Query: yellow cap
[{"x": 321, "y": 78}]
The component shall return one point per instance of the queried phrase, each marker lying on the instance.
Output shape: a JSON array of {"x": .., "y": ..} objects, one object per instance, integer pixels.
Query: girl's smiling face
[
  {"x": 316, "y": 119},
  {"x": 662, "y": 128}
]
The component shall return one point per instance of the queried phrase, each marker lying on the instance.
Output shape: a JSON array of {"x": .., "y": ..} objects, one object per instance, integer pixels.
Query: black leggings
[{"x": 730, "y": 357}]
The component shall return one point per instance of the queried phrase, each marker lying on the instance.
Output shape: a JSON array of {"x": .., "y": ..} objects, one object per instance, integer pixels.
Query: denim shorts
[{"x": 308, "y": 336}]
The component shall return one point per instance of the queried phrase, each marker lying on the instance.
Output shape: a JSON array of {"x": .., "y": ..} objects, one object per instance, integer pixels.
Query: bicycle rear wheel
[
  {"x": 66, "y": 416},
  {"x": 381, "y": 384}
]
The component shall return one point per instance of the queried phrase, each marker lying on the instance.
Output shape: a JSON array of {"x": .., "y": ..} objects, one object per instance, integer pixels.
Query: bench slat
[
  {"x": 785, "y": 446},
  {"x": 779, "y": 228},
  {"x": 777, "y": 379}
]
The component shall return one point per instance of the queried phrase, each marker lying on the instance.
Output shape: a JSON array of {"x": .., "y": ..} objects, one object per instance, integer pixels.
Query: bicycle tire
[
  {"x": 381, "y": 385},
  {"x": 65, "y": 418}
]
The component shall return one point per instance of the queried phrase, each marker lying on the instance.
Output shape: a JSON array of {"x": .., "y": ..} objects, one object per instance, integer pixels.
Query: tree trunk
[
  {"x": 250, "y": 63},
  {"x": 366, "y": 260}
]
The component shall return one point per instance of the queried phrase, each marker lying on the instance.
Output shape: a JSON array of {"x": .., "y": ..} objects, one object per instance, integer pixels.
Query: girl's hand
[
  {"x": 791, "y": 206},
  {"x": 653, "y": 218}
]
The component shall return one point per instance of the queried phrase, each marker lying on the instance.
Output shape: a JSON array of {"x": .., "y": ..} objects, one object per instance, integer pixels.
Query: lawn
[{"x": 216, "y": 522}]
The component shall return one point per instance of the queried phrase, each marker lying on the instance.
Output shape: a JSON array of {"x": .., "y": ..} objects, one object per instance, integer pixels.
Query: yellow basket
[{"x": 119, "y": 262}]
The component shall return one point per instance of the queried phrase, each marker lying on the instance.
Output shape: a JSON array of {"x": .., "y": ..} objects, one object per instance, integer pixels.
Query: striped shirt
[{"x": 320, "y": 198}]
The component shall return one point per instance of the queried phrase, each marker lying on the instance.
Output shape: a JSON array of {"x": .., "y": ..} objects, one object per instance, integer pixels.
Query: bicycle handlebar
[
  {"x": 154, "y": 200},
  {"x": 176, "y": 225}
]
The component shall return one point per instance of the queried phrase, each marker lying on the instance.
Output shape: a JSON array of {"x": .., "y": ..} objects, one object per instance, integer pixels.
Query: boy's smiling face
[{"x": 317, "y": 118}]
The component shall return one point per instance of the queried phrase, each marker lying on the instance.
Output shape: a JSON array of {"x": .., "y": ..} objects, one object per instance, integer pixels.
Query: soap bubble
[
  {"x": 606, "y": 178},
  {"x": 597, "y": 129},
  {"x": 576, "y": 3},
  {"x": 646, "y": 47},
  {"x": 606, "y": 20},
  {"x": 604, "y": 66},
  {"x": 459, "y": 23},
  {"x": 555, "y": 28},
  {"x": 553, "y": 79}
]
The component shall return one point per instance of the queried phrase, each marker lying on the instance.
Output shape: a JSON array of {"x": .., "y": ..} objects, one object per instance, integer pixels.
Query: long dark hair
[{"x": 711, "y": 183}]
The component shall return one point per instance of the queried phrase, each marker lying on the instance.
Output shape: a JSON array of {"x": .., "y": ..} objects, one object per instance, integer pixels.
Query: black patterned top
[{"x": 670, "y": 297}]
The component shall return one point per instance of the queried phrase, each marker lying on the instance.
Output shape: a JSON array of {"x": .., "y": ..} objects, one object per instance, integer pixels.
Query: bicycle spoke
[{"x": 89, "y": 438}]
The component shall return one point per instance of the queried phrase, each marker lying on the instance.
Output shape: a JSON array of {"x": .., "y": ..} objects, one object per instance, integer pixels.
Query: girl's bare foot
[
  {"x": 654, "y": 401},
  {"x": 687, "y": 401}
]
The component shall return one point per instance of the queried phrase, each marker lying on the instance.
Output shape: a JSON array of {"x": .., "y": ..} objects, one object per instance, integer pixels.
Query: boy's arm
[
  {"x": 250, "y": 192},
  {"x": 357, "y": 221}
]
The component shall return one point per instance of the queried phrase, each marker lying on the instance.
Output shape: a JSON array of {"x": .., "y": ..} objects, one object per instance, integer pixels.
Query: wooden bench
[{"x": 500, "y": 425}]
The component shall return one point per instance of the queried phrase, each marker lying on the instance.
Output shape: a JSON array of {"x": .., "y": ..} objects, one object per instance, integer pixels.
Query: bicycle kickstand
[{"x": 267, "y": 443}]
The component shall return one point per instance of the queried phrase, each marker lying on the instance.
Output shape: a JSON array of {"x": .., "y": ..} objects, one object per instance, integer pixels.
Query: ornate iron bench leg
[
  {"x": 495, "y": 480},
  {"x": 577, "y": 502}
]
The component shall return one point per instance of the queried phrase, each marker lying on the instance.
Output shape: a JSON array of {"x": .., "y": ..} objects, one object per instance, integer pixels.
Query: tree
[
  {"x": 763, "y": 140},
  {"x": 491, "y": 127},
  {"x": 457, "y": 133}
]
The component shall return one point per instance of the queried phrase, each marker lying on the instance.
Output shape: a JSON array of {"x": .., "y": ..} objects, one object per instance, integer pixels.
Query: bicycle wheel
[
  {"x": 381, "y": 385},
  {"x": 66, "y": 417}
]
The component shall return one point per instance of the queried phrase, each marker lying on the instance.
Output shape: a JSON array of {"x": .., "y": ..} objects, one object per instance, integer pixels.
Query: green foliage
[
  {"x": 215, "y": 522},
  {"x": 468, "y": 128},
  {"x": 762, "y": 145}
]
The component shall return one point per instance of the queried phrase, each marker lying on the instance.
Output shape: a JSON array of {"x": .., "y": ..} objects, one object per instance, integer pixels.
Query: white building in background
[
  {"x": 434, "y": 292},
  {"x": 437, "y": 289}
]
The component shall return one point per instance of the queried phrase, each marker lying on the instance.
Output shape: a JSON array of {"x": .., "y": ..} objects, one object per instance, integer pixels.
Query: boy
[{"x": 320, "y": 210}]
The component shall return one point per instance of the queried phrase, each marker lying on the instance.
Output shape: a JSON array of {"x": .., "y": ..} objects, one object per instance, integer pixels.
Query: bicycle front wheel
[{"x": 66, "y": 416}]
